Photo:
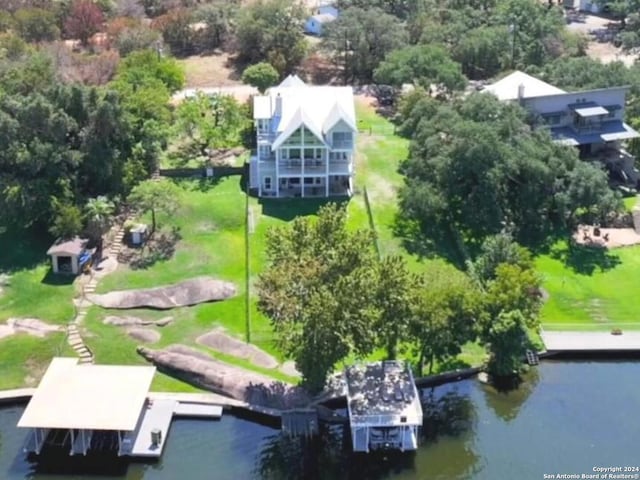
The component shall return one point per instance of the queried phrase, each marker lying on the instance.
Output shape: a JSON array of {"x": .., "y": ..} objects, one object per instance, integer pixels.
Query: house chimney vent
[
  {"x": 521, "y": 92},
  {"x": 278, "y": 112}
]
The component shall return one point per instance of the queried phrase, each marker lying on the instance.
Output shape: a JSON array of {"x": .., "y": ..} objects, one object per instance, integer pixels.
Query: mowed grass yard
[
  {"x": 590, "y": 289},
  {"x": 211, "y": 222},
  {"x": 33, "y": 292}
]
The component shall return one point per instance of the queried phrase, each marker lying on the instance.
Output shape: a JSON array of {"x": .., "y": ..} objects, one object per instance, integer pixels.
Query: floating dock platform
[{"x": 556, "y": 342}]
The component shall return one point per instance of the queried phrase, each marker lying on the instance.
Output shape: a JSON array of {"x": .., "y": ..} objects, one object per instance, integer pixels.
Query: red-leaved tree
[{"x": 84, "y": 20}]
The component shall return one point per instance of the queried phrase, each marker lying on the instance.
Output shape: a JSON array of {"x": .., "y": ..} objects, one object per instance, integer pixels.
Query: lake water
[{"x": 567, "y": 418}]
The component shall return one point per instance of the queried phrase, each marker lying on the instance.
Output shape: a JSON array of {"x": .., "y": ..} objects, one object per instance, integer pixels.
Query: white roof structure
[
  {"x": 319, "y": 108},
  {"x": 74, "y": 246},
  {"x": 90, "y": 397},
  {"x": 509, "y": 87},
  {"x": 292, "y": 81}
]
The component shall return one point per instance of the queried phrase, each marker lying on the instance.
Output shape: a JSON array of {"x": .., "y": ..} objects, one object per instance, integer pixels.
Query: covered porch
[{"x": 315, "y": 187}]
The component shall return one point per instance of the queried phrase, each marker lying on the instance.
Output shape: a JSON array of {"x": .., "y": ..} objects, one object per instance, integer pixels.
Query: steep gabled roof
[
  {"x": 298, "y": 119},
  {"x": 292, "y": 81},
  {"x": 337, "y": 114}
]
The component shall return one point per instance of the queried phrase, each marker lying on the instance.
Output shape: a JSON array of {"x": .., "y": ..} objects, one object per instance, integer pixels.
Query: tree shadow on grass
[
  {"x": 197, "y": 184},
  {"x": 57, "y": 278},
  {"x": 159, "y": 248},
  {"x": 583, "y": 259},
  {"x": 23, "y": 249},
  {"x": 289, "y": 208},
  {"x": 428, "y": 243}
]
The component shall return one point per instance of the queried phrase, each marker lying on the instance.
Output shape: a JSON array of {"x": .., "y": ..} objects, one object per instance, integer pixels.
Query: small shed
[
  {"x": 139, "y": 234},
  {"x": 314, "y": 25},
  {"x": 68, "y": 256}
]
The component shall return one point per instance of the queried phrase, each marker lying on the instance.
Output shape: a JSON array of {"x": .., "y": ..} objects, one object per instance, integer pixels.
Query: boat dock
[
  {"x": 80, "y": 404},
  {"x": 556, "y": 342}
]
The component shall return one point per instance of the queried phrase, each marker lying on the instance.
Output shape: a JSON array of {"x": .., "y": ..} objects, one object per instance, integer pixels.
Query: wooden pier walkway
[{"x": 628, "y": 341}]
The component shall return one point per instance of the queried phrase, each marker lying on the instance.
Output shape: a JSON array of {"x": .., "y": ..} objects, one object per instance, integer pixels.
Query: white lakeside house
[{"x": 305, "y": 141}]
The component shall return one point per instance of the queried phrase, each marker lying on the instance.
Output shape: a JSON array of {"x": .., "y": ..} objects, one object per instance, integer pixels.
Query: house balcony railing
[
  {"x": 342, "y": 145},
  {"x": 265, "y": 136},
  {"x": 295, "y": 167},
  {"x": 340, "y": 168}
]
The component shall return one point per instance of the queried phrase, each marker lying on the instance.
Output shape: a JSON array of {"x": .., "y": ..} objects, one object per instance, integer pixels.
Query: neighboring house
[
  {"x": 305, "y": 141},
  {"x": 314, "y": 24},
  {"x": 324, "y": 14},
  {"x": 590, "y": 120},
  {"x": 591, "y": 6}
]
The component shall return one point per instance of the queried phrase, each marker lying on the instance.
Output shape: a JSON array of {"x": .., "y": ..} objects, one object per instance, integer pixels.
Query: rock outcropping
[
  {"x": 190, "y": 292},
  {"x": 203, "y": 371}
]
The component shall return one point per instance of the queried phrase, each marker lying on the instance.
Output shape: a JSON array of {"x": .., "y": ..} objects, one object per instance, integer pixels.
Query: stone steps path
[{"x": 74, "y": 338}]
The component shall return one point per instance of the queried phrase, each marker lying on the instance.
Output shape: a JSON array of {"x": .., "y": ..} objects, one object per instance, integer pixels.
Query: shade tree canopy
[
  {"x": 478, "y": 165},
  {"x": 424, "y": 65},
  {"x": 360, "y": 39}
]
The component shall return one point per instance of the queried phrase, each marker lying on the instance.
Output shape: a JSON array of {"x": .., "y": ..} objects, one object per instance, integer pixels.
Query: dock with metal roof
[{"x": 81, "y": 403}]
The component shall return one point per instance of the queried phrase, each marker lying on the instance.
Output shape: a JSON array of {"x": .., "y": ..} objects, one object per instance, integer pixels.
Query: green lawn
[
  {"x": 33, "y": 290},
  {"x": 630, "y": 202},
  {"x": 212, "y": 226},
  {"x": 24, "y": 358},
  {"x": 590, "y": 288}
]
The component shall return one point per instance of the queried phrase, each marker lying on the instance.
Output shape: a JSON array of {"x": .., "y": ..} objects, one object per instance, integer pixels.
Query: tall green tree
[
  {"x": 212, "y": 121},
  {"x": 360, "y": 39},
  {"x": 97, "y": 215},
  {"x": 67, "y": 220},
  {"x": 506, "y": 340},
  {"x": 155, "y": 197},
  {"x": 316, "y": 292},
  {"x": 36, "y": 25},
  {"x": 394, "y": 293},
  {"x": 480, "y": 165},
  {"x": 219, "y": 20},
  {"x": 271, "y": 30},
  {"x": 444, "y": 317},
  {"x": 261, "y": 75},
  {"x": 424, "y": 65}
]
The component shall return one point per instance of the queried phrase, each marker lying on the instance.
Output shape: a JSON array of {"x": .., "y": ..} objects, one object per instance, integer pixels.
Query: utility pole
[
  {"x": 512, "y": 29},
  {"x": 346, "y": 51}
]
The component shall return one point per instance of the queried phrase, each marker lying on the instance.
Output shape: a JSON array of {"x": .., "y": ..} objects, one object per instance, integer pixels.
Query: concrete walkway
[{"x": 590, "y": 341}]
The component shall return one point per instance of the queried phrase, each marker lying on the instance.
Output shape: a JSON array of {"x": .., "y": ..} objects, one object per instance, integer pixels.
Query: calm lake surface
[{"x": 568, "y": 417}]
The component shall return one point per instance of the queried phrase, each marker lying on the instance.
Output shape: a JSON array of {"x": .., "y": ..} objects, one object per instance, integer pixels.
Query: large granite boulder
[
  {"x": 190, "y": 292},
  {"x": 199, "y": 369}
]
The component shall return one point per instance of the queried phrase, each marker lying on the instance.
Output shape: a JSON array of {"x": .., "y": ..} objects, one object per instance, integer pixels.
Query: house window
[
  {"x": 294, "y": 154},
  {"x": 294, "y": 181},
  {"x": 267, "y": 183},
  {"x": 263, "y": 126},
  {"x": 265, "y": 151},
  {"x": 338, "y": 156},
  {"x": 342, "y": 139},
  {"x": 552, "y": 119},
  {"x": 308, "y": 181}
]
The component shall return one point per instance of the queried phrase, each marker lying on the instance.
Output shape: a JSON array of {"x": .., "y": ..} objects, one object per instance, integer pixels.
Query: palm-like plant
[{"x": 98, "y": 213}]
